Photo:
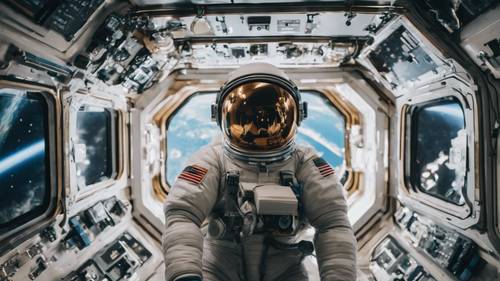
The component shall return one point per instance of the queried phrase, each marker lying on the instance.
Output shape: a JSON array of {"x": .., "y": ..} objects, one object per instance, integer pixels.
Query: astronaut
[{"x": 238, "y": 210}]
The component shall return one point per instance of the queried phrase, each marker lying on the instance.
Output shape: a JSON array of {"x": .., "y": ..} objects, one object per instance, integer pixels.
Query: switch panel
[
  {"x": 451, "y": 251},
  {"x": 390, "y": 262},
  {"x": 117, "y": 261}
]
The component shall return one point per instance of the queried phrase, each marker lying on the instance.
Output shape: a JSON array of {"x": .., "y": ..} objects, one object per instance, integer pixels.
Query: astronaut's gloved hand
[{"x": 189, "y": 278}]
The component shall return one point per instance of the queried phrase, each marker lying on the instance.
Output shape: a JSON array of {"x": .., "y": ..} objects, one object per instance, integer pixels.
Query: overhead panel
[
  {"x": 177, "y": 2},
  {"x": 371, "y": 2},
  {"x": 287, "y": 39},
  {"x": 57, "y": 25},
  {"x": 207, "y": 2},
  {"x": 66, "y": 18},
  {"x": 289, "y": 24},
  {"x": 401, "y": 57}
]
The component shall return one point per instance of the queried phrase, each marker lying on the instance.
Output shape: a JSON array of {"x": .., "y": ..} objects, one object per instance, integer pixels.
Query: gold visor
[{"x": 259, "y": 116}]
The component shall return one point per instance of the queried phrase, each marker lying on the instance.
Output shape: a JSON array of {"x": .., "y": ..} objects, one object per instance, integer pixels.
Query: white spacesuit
[{"x": 258, "y": 191}]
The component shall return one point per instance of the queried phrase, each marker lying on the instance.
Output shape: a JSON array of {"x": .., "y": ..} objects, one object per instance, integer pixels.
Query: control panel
[
  {"x": 116, "y": 261},
  {"x": 401, "y": 57},
  {"x": 285, "y": 54},
  {"x": 119, "y": 54},
  {"x": 451, "y": 251},
  {"x": 100, "y": 242},
  {"x": 129, "y": 52},
  {"x": 391, "y": 262},
  {"x": 65, "y": 17},
  {"x": 86, "y": 225},
  {"x": 32, "y": 258},
  {"x": 71, "y": 15}
]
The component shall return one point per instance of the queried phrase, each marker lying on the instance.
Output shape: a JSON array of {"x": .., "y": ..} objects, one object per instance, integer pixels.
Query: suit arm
[
  {"x": 189, "y": 202},
  {"x": 326, "y": 209}
]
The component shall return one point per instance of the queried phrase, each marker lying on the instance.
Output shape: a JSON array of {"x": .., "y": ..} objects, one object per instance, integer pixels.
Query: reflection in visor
[{"x": 259, "y": 116}]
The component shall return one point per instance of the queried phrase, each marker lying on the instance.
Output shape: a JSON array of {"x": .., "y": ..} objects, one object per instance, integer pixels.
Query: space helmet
[{"x": 258, "y": 110}]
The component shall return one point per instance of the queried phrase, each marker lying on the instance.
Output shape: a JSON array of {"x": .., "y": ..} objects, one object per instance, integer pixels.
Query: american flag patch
[
  {"x": 324, "y": 168},
  {"x": 193, "y": 174}
]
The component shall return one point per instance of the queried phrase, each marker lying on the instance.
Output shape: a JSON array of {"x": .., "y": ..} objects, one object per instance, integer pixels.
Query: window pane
[
  {"x": 95, "y": 135},
  {"x": 24, "y": 181},
  {"x": 192, "y": 125},
  {"x": 438, "y": 164},
  {"x": 324, "y": 130}
]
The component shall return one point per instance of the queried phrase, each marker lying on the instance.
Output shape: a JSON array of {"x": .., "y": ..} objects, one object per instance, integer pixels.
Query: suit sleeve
[
  {"x": 190, "y": 200},
  {"x": 326, "y": 209}
]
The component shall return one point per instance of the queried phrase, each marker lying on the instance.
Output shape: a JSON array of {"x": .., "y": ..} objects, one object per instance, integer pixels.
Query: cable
[
  {"x": 263, "y": 258},
  {"x": 488, "y": 77},
  {"x": 243, "y": 261},
  {"x": 494, "y": 107}
]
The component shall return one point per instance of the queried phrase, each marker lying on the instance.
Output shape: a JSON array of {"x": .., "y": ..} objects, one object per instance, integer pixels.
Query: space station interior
[{"x": 103, "y": 101}]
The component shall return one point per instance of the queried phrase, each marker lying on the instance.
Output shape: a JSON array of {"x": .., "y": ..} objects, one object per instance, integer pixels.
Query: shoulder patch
[
  {"x": 194, "y": 174},
  {"x": 324, "y": 168}
]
